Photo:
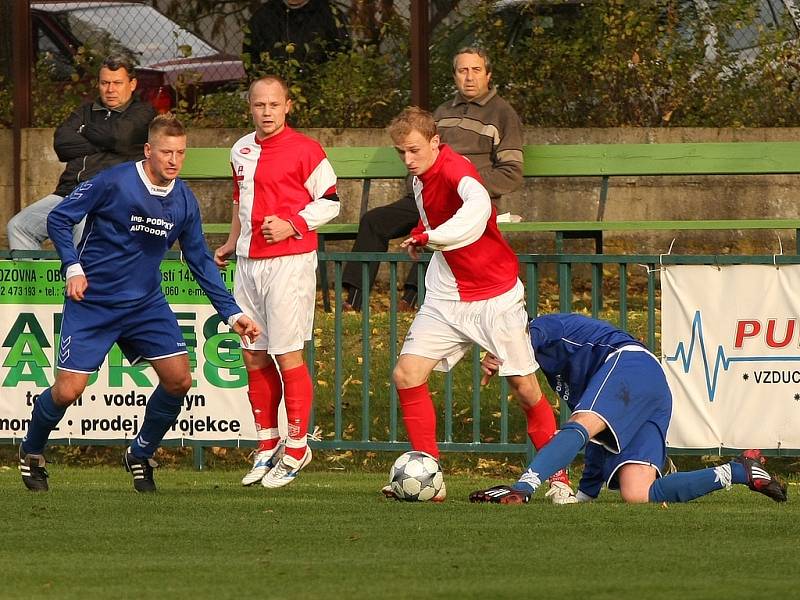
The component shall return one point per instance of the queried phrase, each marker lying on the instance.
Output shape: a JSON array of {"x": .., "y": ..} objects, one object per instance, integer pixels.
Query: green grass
[{"x": 330, "y": 535}]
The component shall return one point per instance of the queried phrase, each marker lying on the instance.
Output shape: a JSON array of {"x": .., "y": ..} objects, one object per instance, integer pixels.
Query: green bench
[
  {"x": 585, "y": 160},
  {"x": 568, "y": 160}
]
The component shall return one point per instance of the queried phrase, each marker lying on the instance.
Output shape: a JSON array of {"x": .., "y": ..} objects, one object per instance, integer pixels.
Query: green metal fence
[{"x": 353, "y": 354}]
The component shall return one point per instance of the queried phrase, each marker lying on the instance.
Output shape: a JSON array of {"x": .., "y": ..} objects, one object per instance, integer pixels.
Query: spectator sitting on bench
[
  {"x": 476, "y": 123},
  {"x": 101, "y": 133}
]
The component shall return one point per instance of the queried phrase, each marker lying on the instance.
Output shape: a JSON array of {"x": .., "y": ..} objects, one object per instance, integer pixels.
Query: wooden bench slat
[
  {"x": 734, "y": 158},
  {"x": 348, "y": 163},
  {"x": 560, "y": 226},
  {"x": 371, "y": 162},
  {"x": 557, "y": 160}
]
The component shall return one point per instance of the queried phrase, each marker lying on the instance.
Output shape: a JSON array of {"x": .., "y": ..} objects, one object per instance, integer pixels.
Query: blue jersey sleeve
[
  {"x": 201, "y": 264},
  {"x": 69, "y": 212}
]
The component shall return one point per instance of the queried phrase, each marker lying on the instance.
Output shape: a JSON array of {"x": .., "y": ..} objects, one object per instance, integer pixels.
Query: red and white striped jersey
[
  {"x": 287, "y": 175},
  {"x": 472, "y": 261}
]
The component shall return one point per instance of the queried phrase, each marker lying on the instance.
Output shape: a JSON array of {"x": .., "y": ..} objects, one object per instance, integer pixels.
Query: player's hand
[
  {"x": 76, "y": 286},
  {"x": 222, "y": 253},
  {"x": 418, "y": 240},
  {"x": 489, "y": 365},
  {"x": 247, "y": 328},
  {"x": 414, "y": 243},
  {"x": 276, "y": 229}
]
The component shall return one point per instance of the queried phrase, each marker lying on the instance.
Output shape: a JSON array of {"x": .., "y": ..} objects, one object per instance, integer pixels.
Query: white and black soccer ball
[{"x": 416, "y": 477}]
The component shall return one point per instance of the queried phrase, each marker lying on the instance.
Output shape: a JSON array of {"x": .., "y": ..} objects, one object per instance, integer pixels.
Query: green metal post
[
  {"x": 392, "y": 349},
  {"x": 365, "y": 352},
  {"x": 476, "y": 394},
  {"x": 623, "y": 296},
  {"x": 337, "y": 360}
]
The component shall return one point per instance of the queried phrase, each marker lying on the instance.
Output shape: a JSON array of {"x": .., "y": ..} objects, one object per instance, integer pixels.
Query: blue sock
[
  {"x": 556, "y": 454},
  {"x": 683, "y": 487},
  {"x": 44, "y": 418},
  {"x": 161, "y": 413}
]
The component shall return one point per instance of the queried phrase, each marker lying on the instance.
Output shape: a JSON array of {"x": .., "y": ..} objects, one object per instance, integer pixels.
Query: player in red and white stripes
[
  {"x": 284, "y": 189},
  {"x": 473, "y": 292}
]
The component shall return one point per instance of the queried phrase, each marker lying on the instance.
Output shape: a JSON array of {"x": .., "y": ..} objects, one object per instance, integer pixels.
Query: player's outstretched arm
[{"x": 247, "y": 328}]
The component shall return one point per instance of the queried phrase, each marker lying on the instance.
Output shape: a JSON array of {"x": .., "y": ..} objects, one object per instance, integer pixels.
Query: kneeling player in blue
[
  {"x": 134, "y": 213},
  {"x": 621, "y": 408}
]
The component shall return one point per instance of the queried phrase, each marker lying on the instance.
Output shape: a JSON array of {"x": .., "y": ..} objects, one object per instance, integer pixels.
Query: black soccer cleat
[
  {"x": 500, "y": 494},
  {"x": 34, "y": 475},
  {"x": 142, "y": 471},
  {"x": 759, "y": 480}
]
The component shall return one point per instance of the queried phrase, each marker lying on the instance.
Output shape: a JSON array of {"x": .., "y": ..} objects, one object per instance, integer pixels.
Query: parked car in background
[{"x": 172, "y": 62}]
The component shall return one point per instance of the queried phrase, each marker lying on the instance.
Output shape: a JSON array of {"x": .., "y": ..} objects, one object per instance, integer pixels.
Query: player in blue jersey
[
  {"x": 621, "y": 408},
  {"x": 134, "y": 213}
]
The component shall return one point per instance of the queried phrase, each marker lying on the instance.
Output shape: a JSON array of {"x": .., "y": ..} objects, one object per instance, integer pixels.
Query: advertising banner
[
  {"x": 112, "y": 407},
  {"x": 731, "y": 350}
]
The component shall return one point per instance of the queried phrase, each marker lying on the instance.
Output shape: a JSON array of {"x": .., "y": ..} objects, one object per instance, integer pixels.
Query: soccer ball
[{"x": 415, "y": 477}]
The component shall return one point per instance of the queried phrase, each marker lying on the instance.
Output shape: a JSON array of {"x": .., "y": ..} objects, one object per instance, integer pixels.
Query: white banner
[
  {"x": 113, "y": 405},
  {"x": 731, "y": 350}
]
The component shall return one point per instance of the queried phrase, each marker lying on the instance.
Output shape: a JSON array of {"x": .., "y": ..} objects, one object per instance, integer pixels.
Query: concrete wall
[{"x": 545, "y": 199}]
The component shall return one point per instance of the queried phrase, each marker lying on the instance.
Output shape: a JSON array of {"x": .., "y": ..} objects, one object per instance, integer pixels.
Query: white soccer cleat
[
  {"x": 262, "y": 463},
  {"x": 285, "y": 470},
  {"x": 560, "y": 493}
]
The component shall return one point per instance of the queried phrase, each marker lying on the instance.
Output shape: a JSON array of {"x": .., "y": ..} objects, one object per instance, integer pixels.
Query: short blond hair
[
  {"x": 166, "y": 124},
  {"x": 411, "y": 119}
]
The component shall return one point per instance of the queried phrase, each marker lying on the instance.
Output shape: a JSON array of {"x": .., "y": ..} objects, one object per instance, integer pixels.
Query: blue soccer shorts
[
  {"x": 148, "y": 330},
  {"x": 648, "y": 447},
  {"x": 630, "y": 394}
]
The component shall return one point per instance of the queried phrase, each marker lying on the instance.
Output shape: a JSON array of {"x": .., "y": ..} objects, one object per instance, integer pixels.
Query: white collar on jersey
[{"x": 155, "y": 190}]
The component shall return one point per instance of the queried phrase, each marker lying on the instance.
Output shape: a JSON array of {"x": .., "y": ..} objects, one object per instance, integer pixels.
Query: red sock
[
  {"x": 420, "y": 418},
  {"x": 541, "y": 422},
  {"x": 298, "y": 393},
  {"x": 265, "y": 391}
]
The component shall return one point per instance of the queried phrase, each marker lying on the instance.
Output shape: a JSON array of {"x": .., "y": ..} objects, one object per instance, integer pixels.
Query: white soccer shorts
[
  {"x": 279, "y": 294},
  {"x": 446, "y": 329}
]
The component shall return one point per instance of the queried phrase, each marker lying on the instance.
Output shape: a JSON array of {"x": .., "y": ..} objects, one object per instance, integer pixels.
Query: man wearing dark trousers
[{"x": 476, "y": 123}]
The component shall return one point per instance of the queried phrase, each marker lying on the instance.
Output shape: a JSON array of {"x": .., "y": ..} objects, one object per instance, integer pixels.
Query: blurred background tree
[{"x": 560, "y": 63}]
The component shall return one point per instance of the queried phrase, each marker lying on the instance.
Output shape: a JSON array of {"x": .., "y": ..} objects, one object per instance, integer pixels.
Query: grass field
[{"x": 331, "y": 535}]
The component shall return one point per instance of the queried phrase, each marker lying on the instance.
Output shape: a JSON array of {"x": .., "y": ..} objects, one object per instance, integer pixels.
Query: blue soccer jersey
[
  {"x": 571, "y": 349},
  {"x": 130, "y": 225}
]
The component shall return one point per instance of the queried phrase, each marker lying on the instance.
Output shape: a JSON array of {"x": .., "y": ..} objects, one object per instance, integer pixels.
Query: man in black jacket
[
  {"x": 96, "y": 135},
  {"x": 307, "y": 30}
]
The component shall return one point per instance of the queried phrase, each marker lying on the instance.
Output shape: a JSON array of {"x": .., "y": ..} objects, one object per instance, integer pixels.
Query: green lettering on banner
[
  {"x": 117, "y": 370},
  {"x": 179, "y": 285},
  {"x": 31, "y": 282},
  {"x": 31, "y": 356},
  {"x": 26, "y": 322},
  {"x": 27, "y": 360},
  {"x": 224, "y": 359},
  {"x": 26, "y": 353},
  {"x": 190, "y": 337}
]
